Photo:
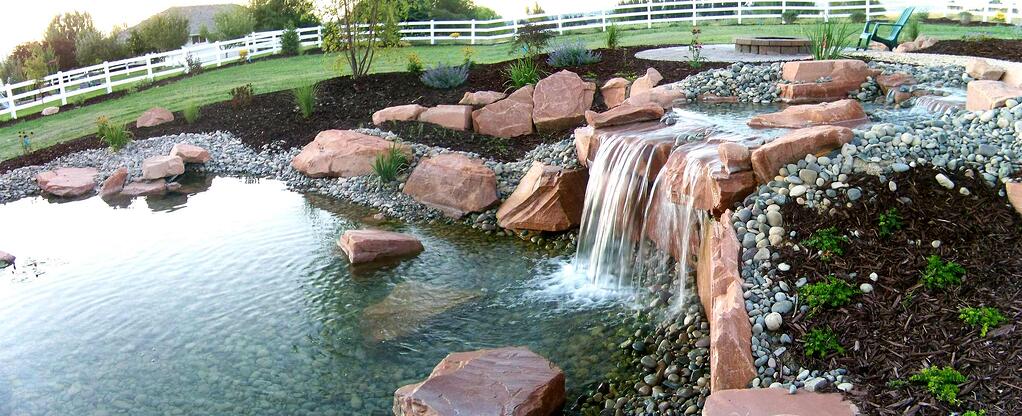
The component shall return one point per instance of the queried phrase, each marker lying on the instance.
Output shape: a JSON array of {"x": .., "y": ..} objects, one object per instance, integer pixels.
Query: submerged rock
[{"x": 408, "y": 306}]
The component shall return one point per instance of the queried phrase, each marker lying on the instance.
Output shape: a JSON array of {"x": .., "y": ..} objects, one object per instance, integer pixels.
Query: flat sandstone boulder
[
  {"x": 342, "y": 153},
  {"x": 511, "y": 381},
  {"x": 511, "y": 117},
  {"x": 190, "y": 153},
  {"x": 113, "y": 185},
  {"x": 981, "y": 69},
  {"x": 624, "y": 114},
  {"x": 768, "y": 159},
  {"x": 1014, "y": 190},
  {"x": 145, "y": 188},
  {"x": 159, "y": 167},
  {"x": 407, "y": 112},
  {"x": 561, "y": 100},
  {"x": 481, "y": 98},
  {"x": 453, "y": 183},
  {"x": 67, "y": 182},
  {"x": 454, "y": 117},
  {"x": 369, "y": 245},
  {"x": 844, "y": 113},
  {"x": 408, "y": 307},
  {"x": 154, "y": 117},
  {"x": 988, "y": 95},
  {"x": 548, "y": 198},
  {"x": 615, "y": 91},
  {"x": 771, "y": 402}
]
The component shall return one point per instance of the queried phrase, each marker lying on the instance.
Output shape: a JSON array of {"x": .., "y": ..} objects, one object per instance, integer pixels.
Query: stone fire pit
[{"x": 772, "y": 45}]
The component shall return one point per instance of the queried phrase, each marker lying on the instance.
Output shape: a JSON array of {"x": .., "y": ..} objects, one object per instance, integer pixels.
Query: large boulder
[
  {"x": 511, "y": 117},
  {"x": 481, "y": 98},
  {"x": 510, "y": 381},
  {"x": 561, "y": 100},
  {"x": 1014, "y": 190},
  {"x": 843, "y": 113},
  {"x": 407, "y": 112},
  {"x": 646, "y": 82},
  {"x": 154, "y": 117},
  {"x": 190, "y": 153},
  {"x": 49, "y": 111},
  {"x": 768, "y": 159},
  {"x": 113, "y": 185},
  {"x": 454, "y": 117},
  {"x": 981, "y": 69},
  {"x": 845, "y": 75},
  {"x": 453, "y": 183},
  {"x": 159, "y": 167},
  {"x": 988, "y": 95},
  {"x": 368, "y": 245},
  {"x": 663, "y": 95},
  {"x": 408, "y": 307},
  {"x": 145, "y": 188},
  {"x": 615, "y": 91},
  {"x": 342, "y": 153},
  {"x": 772, "y": 402},
  {"x": 624, "y": 114},
  {"x": 548, "y": 198},
  {"x": 67, "y": 182}
]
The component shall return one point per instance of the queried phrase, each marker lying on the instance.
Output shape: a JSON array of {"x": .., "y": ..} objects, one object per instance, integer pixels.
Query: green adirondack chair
[{"x": 869, "y": 32}]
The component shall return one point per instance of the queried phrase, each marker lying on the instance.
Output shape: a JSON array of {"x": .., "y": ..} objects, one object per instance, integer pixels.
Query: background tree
[
  {"x": 62, "y": 34},
  {"x": 41, "y": 62},
  {"x": 534, "y": 9},
  {"x": 423, "y": 10},
  {"x": 159, "y": 33},
  {"x": 93, "y": 47},
  {"x": 233, "y": 24},
  {"x": 358, "y": 22},
  {"x": 276, "y": 14}
]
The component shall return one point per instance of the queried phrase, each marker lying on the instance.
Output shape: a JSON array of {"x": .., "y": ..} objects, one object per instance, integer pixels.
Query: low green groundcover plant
[
  {"x": 828, "y": 242},
  {"x": 940, "y": 274},
  {"x": 572, "y": 54},
  {"x": 444, "y": 77},
  {"x": 522, "y": 72},
  {"x": 821, "y": 342},
  {"x": 975, "y": 413},
  {"x": 942, "y": 383},
  {"x": 388, "y": 164},
  {"x": 983, "y": 317},
  {"x": 832, "y": 293},
  {"x": 116, "y": 136},
  {"x": 889, "y": 222}
]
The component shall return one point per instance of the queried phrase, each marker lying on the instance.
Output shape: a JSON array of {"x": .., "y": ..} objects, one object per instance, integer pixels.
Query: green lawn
[{"x": 279, "y": 74}]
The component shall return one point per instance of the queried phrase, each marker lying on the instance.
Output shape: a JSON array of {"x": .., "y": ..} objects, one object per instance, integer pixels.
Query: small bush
[
  {"x": 290, "y": 45},
  {"x": 571, "y": 55},
  {"x": 116, "y": 136},
  {"x": 789, "y": 16},
  {"x": 828, "y": 242},
  {"x": 241, "y": 96},
  {"x": 965, "y": 18},
  {"x": 193, "y": 66},
  {"x": 983, "y": 317},
  {"x": 828, "y": 40},
  {"x": 414, "y": 64},
  {"x": 305, "y": 97},
  {"x": 243, "y": 55},
  {"x": 857, "y": 17},
  {"x": 613, "y": 37},
  {"x": 832, "y": 293},
  {"x": 522, "y": 72},
  {"x": 941, "y": 275},
  {"x": 388, "y": 164},
  {"x": 821, "y": 343},
  {"x": 889, "y": 222},
  {"x": 445, "y": 77},
  {"x": 531, "y": 39},
  {"x": 191, "y": 113},
  {"x": 942, "y": 383},
  {"x": 467, "y": 53}
]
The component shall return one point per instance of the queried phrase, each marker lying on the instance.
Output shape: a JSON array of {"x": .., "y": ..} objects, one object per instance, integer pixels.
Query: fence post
[
  {"x": 604, "y": 24},
  {"x": 432, "y": 32},
  {"x": 740, "y": 11},
  {"x": 473, "y": 31},
  {"x": 63, "y": 88},
  {"x": 106, "y": 72},
  {"x": 867, "y": 8},
  {"x": 560, "y": 29},
  {"x": 319, "y": 36},
  {"x": 649, "y": 14},
  {"x": 986, "y": 12},
  {"x": 219, "y": 54},
  {"x": 784, "y": 8},
  {"x": 826, "y": 11},
  {"x": 10, "y": 102},
  {"x": 149, "y": 66}
]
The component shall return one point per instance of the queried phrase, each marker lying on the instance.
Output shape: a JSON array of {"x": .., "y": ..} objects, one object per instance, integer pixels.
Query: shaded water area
[{"x": 236, "y": 300}]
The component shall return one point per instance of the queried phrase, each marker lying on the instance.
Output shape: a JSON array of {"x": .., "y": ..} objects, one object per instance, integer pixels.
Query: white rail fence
[
  {"x": 65, "y": 85},
  {"x": 1009, "y": 10}
]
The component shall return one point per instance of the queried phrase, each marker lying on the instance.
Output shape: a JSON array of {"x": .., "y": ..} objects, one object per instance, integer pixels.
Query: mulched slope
[
  {"x": 1004, "y": 49},
  {"x": 890, "y": 333},
  {"x": 344, "y": 103}
]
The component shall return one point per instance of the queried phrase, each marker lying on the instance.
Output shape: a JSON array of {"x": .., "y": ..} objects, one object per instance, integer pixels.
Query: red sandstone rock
[
  {"x": 624, "y": 114},
  {"x": 115, "y": 183},
  {"x": 454, "y": 117},
  {"x": 67, "y": 182},
  {"x": 547, "y": 198},
  {"x": 844, "y": 112},
  {"x": 509, "y": 381},
  {"x": 1014, "y": 190},
  {"x": 159, "y": 167},
  {"x": 453, "y": 183},
  {"x": 585, "y": 146},
  {"x": 368, "y": 245},
  {"x": 481, "y": 98},
  {"x": 646, "y": 82},
  {"x": 408, "y": 307},
  {"x": 145, "y": 188},
  {"x": 988, "y": 95},
  {"x": 6, "y": 259},
  {"x": 561, "y": 101},
  {"x": 342, "y": 153},
  {"x": 773, "y": 402},
  {"x": 813, "y": 92},
  {"x": 716, "y": 99},
  {"x": 615, "y": 91},
  {"x": 921, "y": 42},
  {"x": 154, "y": 117},
  {"x": 190, "y": 153},
  {"x": 407, "y": 112},
  {"x": 663, "y": 95},
  {"x": 981, "y": 69},
  {"x": 895, "y": 80},
  {"x": 49, "y": 111},
  {"x": 1013, "y": 74},
  {"x": 768, "y": 159},
  {"x": 734, "y": 157},
  {"x": 511, "y": 117},
  {"x": 836, "y": 69}
]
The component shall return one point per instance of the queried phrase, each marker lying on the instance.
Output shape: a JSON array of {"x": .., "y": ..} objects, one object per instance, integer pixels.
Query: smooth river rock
[{"x": 368, "y": 245}]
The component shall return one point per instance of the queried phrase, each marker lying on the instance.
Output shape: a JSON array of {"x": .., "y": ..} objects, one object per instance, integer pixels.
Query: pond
[{"x": 236, "y": 300}]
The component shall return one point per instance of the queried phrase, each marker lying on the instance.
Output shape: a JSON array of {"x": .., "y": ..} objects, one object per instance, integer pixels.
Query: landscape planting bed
[
  {"x": 1003, "y": 49},
  {"x": 901, "y": 326}
]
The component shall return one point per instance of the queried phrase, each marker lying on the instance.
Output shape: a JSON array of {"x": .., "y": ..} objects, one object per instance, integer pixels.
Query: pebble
[
  {"x": 944, "y": 181},
  {"x": 773, "y": 321},
  {"x": 866, "y": 288}
]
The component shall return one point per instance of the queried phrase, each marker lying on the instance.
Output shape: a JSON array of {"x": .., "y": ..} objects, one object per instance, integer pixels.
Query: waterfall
[{"x": 937, "y": 105}]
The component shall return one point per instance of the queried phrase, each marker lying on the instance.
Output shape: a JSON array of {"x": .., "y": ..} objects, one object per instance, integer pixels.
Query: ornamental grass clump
[
  {"x": 522, "y": 72},
  {"x": 832, "y": 293},
  {"x": 821, "y": 342},
  {"x": 305, "y": 98},
  {"x": 941, "y": 275},
  {"x": 942, "y": 383},
  {"x": 388, "y": 164},
  {"x": 984, "y": 318},
  {"x": 613, "y": 36},
  {"x": 571, "y": 55},
  {"x": 116, "y": 136},
  {"x": 828, "y": 242},
  {"x": 445, "y": 77},
  {"x": 191, "y": 113},
  {"x": 828, "y": 40}
]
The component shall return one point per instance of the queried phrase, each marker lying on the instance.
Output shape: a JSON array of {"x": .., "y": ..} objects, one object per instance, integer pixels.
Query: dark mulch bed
[
  {"x": 1004, "y": 49},
  {"x": 344, "y": 103},
  {"x": 976, "y": 22},
  {"x": 890, "y": 333}
]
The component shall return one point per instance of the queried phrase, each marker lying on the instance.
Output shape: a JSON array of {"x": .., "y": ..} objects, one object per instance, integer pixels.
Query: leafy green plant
[
  {"x": 388, "y": 164},
  {"x": 191, "y": 113},
  {"x": 942, "y": 383},
  {"x": 414, "y": 64},
  {"x": 896, "y": 383},
  {"x": 305, "y": 97},
  {"x": 116, "y": 136},
  {"x": 821, "y": 342},
  {"x": 522, "y": 72},
  {"x": 444, "y": 76},
  {"x": 193, "y": 66},
  {"x": 531, "y": 39},
  {"x": 889, "y": 222},
  {"x": 828, "y": 242},
  {"x": 857, "y": 17},
  {"x": 940, "y": 274},
  {"x": 983, "y": 317},
  {"x": 241, "y": 96},
  {"x": 613, "y": 36},
  {"x": 695, "y": 50},
  {"x": 789, "y": 16},
  {"x": 467, "y": 53},
  {"x": 572, "y": 54},
  {"x": 290, "y": 44},
  {"x": 828, "y": 40},
  {"x": 975, "y": 413},
  {"x": 832, "y": 293}
]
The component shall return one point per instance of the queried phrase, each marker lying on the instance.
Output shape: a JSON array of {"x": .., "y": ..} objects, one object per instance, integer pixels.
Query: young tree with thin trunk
[{"x": 359, "y": 23}]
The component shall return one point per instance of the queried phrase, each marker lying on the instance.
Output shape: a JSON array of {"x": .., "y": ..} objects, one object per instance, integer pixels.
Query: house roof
[{"x": 198, "y": 16}]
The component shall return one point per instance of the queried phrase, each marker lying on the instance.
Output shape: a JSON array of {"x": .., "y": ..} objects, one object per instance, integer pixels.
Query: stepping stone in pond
[{"x": 363, "y": 246}]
